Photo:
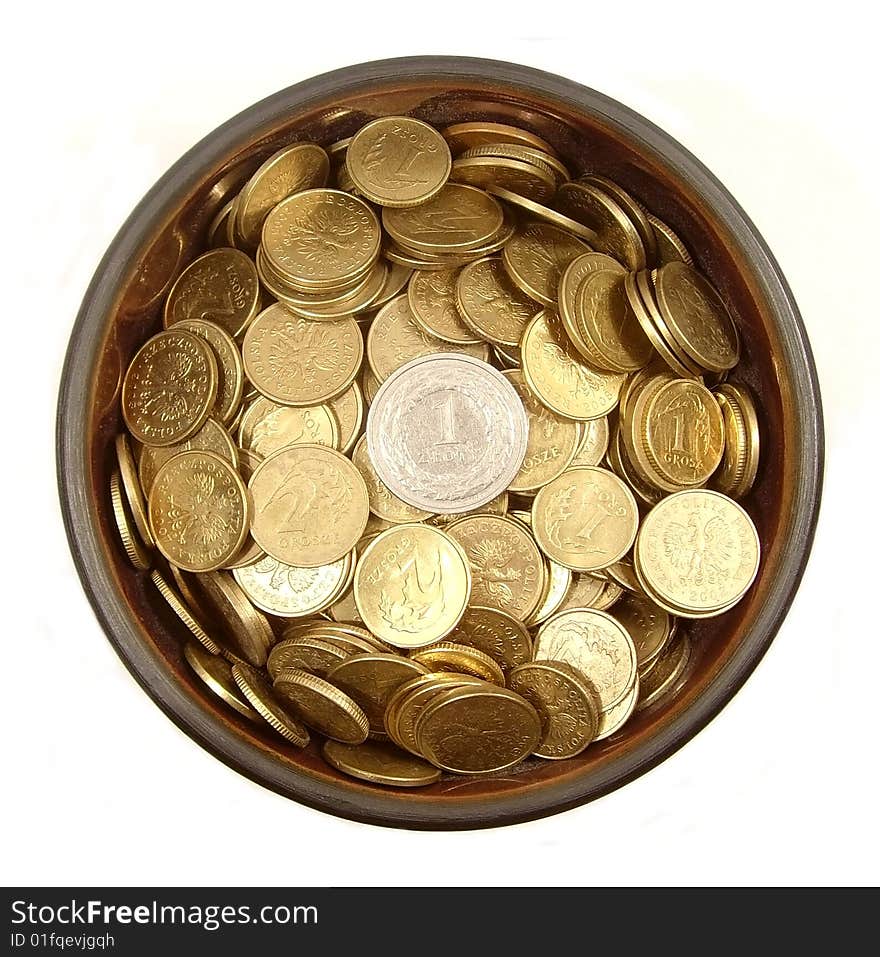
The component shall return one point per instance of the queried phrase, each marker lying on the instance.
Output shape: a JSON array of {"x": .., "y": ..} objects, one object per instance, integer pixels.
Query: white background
[{"x": 779, "y": 101}]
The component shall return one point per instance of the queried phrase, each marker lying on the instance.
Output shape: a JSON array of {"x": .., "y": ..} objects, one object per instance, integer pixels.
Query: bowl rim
[{"x": 144, "y": 662}]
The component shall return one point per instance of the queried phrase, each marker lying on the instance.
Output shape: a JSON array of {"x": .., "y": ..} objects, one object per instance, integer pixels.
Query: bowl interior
[{"x": 587, "y": 140}]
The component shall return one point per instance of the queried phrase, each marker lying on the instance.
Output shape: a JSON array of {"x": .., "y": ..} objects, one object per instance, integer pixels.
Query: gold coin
[
  {"x": 739, "y": 465},
  {"x": 247, "y": 630},
  {"x": 529, "y": 180},
  {"x": 537, "y": 256},
  {"x": 465, "y": 136},
  {"x": 409, "y": 260},
  {"x": 594, "y": 443},
  {"x": 315, "y": 299},
  {"x": 211, "y": 437},
  {"x": 447, "y": 656},
  {"x": 490, "y": 304},
  {"x": 371, "y": 680},
  {"x": 648, "y": 625},
  {"x": 560, "y": 378},
  {"x": 395, "y": 338},
  {"x": 395, "y": 282},
  {"x": 134, "y": 495},
  {"x": 321, "y": 238},
  {"x": 290, "y": 170},
  {"x": 594, "y": 643},
  {"x": 216, "y": 674},
  {"x": 664, "y": 675},
  {"x": 178, "y": 606},
  {"x": 565, "y": 704},
  {"x": 380, "y": 763},
  {"x": 267, "y": 427},
  {"x": 611, "y": 593},
  {"x": 186, "y": 584},
  {"x": 322, "y": 706},
  {"x": 585, "y": 519},
  {"x": 543, "y": 213},
  {"x": 137, "y": 553},
  {"x": 412, "y": 585},
  {"x": 577, "y": 271},
  {"x": 608, "y": 325},
  {"x": 298, "y": 361},
  {"x": 459, "y": 218},
  {"x": 432, "y": 303},
  {"x": 348, "y": 410},
  {"x": 648, "y": 316},
  {"x": 398, "y": 161},
  {"x": 355, "y": 300},
  {"x": 508, "y": 570},
  {"x": 496, "y": 634},
  {"x": 632, "y": 210},
  {"x": 345, "y": 609},
  {"x": 497, "y": 506},
  {"x": 478, "y": 730},
  {"x": 200, "y": 511},
  {"x": 669, "y": 247},
  {"x": 169, "y": 388},
  {"x": 312, "y": 652},
  {"x": 525, "y": 154},
  {"x": 220, "y": 286},
  {"x": 219, "y": 224},
  {"x": 583, "y": 592},
  {"x": 290, "y": 592},
  {"x": 696, "y": 316},
  {"x": 552, "y": 441},
  {"x": 410, "y": 699},
  {"x": 383, "y": 502},
  {"x": 230, "y": 372},
  {"x": 558, "y": 582},
  {"x": 619, "y": 461},
  {"x": 294, "y": 491},
  {"x": 683, "y": 433},
  {"x": 612, "y": 719},
  {"x": 615, "y": 233},
  {"x": 261, "y": 698},
  {"x": 698, "y": 550},
  {"x": 624, "y": 574}
]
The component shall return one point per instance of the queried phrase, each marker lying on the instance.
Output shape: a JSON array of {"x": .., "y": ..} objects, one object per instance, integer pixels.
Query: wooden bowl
[{"x": 122, "y": 307}]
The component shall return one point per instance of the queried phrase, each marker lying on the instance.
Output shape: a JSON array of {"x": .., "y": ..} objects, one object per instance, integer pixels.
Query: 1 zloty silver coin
[{"x": 447, "y": 433}]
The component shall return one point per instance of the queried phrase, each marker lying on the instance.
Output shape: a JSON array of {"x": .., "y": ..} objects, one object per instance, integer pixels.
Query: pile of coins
[{"x": 434, "y": 460}]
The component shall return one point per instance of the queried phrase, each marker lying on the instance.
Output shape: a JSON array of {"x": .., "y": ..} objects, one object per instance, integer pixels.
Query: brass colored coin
[
  {"x": 664, "y": 675},
  {"x": 219, "y": 224},
  {"x": 200, "y": 511},
  {"x": 537, "y": 256},
  {"x": 398, "y": 161},
  {"x": 529, "y": 180},
  {"x": 290, "y": 170},
  {"x": 348, "y": 410},
  {"x": 459, "y": 218},
  {"x": 169, "y": 388},
  {"x": 313, "y": 653},
  {"x": 383, "y": 502},
  {"x": 409, "y": 260},
  {"x": 295, "y": 490},
  {"x": 395, "y": 282},
  {"x": 558, "y": 582},
  {"x": 260, "y": 696},
  {"x": 585, "y": 519},
  {"x": 594, "y": 443},
  {"x": 217, "y": 675},
  {"x": 137, "y": 553},
  {"x": 560, "y": 378},
  {"x": 432, "y": 304},
  {"x": 508, "y": 570},
  {"x": 333, "y": 631},
  {"x": 697, "y": 317},
  {"x": 648, "y": 290},
  {"x": 615, "y": 233},
  {"x": 624, "y": 574},
  {"x": 583, "y": 592},
  {"x": 298, "y": 361},
  {"x": 380, "y": 763},
  {"x": 698, "y": 551},
  {"x": 497, "y": 506},
  {"x": 230, "y": 372},
  {"x": 618, "y": 459},
  {"x": 575, "y": 274},
  {"x": 211, "y": 437},
  {"x": 565, "y": 704},
  {"x": 321, "y": 238},
  {"x": 465, "y": 136},
  {"x": 267, "y": 427},
  {"x": 647, "y": 316},
  {"x": 739, "y": 465},
  {"x": 611, "y": 593},
  {"x": 552, "y": 442},
  {"x": 371, "y": 680},
  {"x": 609, "y": 326},
  {"x": 395, "y": 338},
  {"x": 345, "y": 608},
  {"x": 478, "y": 730},
  {"x": 134, "y": 495},
  {"x": 513, "y": 151},
  {"x": 543, "y": 213},
  {"x": 496, "y": 634},
  {"x": 447, "y": 656},
  {"x": 247, "y": 630},
  {"x": 322, "y": 706},
  {"x": 410, "y": 699},
  {"x": 632, "y": 209},
  {"x": 178, "y": 606},
  {"x": 220, "y": 286},
  {"x": 669, "y": 247},
  {"x": 313, "y": 299},
  {"x": 612, "y": 719},
  {"x": 648, "y": 625},
  {"x": 683, "y": 433},
  {"x": 357, "y": 300},
  {"x": 291, "y": 592},
  {"x": 597, "y": 645},
  {"x": 187, "y": 585},
  {"x": 491, "y": 304},
  {"x": 412, "y": 585},
  {"x": 369, "y": 383}
]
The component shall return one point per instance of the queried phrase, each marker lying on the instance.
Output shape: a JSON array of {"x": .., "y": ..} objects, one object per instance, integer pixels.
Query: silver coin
[{"x": 447, "y": 433}]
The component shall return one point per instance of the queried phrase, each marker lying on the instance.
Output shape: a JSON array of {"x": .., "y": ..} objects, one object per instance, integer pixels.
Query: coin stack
[{"x": 436, "y": 451}]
